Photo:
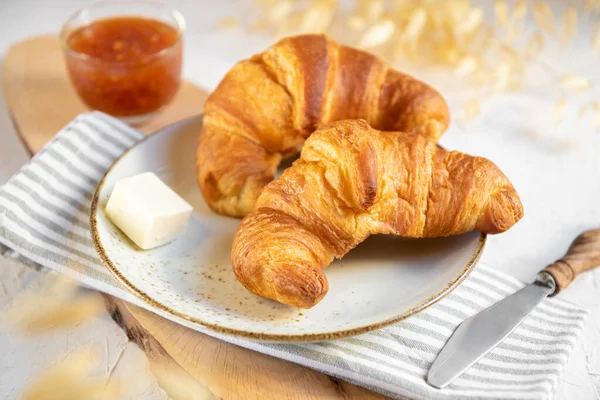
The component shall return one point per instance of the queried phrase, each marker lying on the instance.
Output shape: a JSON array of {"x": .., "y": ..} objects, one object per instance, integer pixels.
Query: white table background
[{"x": 555, "y": 170}]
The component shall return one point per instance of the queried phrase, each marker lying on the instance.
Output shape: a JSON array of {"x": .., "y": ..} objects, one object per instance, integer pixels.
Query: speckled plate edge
[{"x": 307, "y": 337}]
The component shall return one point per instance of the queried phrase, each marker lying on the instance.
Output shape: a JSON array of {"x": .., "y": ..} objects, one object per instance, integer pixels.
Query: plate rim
[{"x": 305, "y": 337}]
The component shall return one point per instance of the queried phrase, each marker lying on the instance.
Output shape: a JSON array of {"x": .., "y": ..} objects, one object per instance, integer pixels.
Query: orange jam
[{"x": 125, "y": 66}]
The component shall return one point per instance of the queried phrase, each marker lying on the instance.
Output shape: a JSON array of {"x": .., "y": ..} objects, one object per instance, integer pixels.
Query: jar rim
[{"x": 172, "y": 12}]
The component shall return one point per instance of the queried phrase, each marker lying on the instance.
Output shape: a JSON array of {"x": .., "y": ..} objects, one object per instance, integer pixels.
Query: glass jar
[{"x": 124, "y": 57}]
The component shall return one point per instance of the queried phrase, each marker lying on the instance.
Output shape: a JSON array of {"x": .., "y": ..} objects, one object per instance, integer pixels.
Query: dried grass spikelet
[
  {"x": 436, "y": 18},
  {"x": 596, "y": 108},
  {"x": 450, "y": 33},
  {"x": 544, "y": 17},
  {"x": 228, "y": 23},
  {"x": 510, "y": 56},
  {"x": 317, "y": 17},
  {"x": 413, "y": 47},
  {"x": 370, "y": 10},
  {"x": 402, "y": 6},
  {"x": 583, "y": 110},
  {"x": 482, "y": 76},
  {"x": 52, "y": 316},
  {"x": 416, "y": 23},
  {"x": 569, "y": 24},
  {"x": 457, "y": 11},
  {"x": 377, "y": 34},
  {"x": 446, "y": 52},
  {"x": 54, "y": 305},
  {"x": 515, "y": 30},
  {"x": 279, "y": 11},
  {"x": 486, "y": 39},
  {"x": 443, "y": 44},
  {"x": 520, "y": 10},
  {"x": 591, "y": 5},
  {"x": 472, "y": 22},
  {"x": 502, "y": 76},
  {"x": 516, "y": 21},
  {"x": 472, "y": 109},
  {"x": 575, "y": 82},
  {"x": 356, "y": 23},
  {"x": 534, "y": 46},
  {"x": 501, "y": 12},
  {"x": 69, "y": 379},
  {"x": 466, "y": 65},
  {"x": 596, "y": 39},
  {"x": 515, "y": 84},
  {"x": 558, "y": 114}
]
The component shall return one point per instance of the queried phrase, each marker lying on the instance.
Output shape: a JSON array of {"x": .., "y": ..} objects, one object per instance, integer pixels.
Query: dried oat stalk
[
  {"x": 534, "y": 46},
  {"x": 592, "y": 5},
  {"x": 520, "y": 10},
  {"x": 377, "y": 34},
  {"x": 279, "y": 11},
  {"x": 472, "y": 109},
  {"x": 544, "y": 17},
  {"x": 450, "y": 33},
  {"x": 558, "y": 114},
  {"x": 501, "y": 12},
  {"x": 575, "y": 82},
  {"x": 596, "y": 39},
  {"x": 502, "y": 76},
  {"x": 466, "y": 65},
  {"x": 416, "y": 24},
  {"x": 70, "y": 379},
  {"x": 585, "y": 109},
  {"x": 356, "y": 23},
  {"x": 472, "y": 22},
  {"x": 56, "y": 304},
  {"x": 596, "y": 108},
  {"x": 569, "y": 24}
]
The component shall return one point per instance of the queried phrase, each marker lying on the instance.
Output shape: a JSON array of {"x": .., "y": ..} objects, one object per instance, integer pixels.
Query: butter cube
[{"x": 149, "y": 212}]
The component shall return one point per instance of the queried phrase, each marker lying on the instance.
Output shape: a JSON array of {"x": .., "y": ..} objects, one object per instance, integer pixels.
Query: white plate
[{"x": 382, "y": 281}]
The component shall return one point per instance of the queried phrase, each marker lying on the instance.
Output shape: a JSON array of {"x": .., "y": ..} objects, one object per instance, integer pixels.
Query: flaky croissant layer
[
  {"x": 353, "y": 181},
  {"x": 265, "y": 107}
]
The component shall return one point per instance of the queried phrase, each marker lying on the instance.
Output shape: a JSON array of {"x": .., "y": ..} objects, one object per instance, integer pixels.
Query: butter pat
[{"x": 149, "y": 212}]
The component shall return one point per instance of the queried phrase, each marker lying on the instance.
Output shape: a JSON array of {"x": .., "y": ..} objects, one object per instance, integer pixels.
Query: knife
[{"x": 476, "y": 336}]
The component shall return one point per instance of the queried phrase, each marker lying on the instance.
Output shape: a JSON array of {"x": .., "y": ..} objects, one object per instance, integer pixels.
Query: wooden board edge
[
  {"x": 124, "y": 314},
  {"x": 161, "y": 364}
]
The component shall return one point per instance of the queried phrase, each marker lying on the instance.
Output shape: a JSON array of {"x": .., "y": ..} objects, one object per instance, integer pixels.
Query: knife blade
[{"x": 479, "y": 334}]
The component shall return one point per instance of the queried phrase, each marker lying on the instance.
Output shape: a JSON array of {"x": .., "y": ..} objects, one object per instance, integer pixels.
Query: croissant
[
  {"x": 266, "y": 107},
  {"x": 350, "y": 182}
]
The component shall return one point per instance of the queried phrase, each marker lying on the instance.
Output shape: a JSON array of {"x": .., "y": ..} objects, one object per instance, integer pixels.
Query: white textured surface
[
  {"x": 22, "y": 358},
  {"x": 556, "y": 171}
]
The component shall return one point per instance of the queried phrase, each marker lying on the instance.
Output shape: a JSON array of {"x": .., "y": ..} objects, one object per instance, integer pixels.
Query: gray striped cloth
[{"x": 44, "y": 212}]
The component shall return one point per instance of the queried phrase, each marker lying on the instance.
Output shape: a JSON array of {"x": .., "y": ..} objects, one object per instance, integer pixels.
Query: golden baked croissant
[
  {"x": 265, "y": 107},
  {"x": 351, "y": 182}
]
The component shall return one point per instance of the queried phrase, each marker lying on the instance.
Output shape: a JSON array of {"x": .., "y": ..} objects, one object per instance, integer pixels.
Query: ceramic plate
[{"x": 382, "y": 281}]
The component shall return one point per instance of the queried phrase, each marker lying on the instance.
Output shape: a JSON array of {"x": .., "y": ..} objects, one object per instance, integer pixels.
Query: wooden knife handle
[{"x": 583, "y": 255}]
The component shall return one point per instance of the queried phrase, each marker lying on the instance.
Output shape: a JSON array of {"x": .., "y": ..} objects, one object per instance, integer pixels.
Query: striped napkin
[{"x": 44, "y": 218}]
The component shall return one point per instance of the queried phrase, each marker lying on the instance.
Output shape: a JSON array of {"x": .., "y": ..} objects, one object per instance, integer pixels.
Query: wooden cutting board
[{"x": 41, "y": 101}]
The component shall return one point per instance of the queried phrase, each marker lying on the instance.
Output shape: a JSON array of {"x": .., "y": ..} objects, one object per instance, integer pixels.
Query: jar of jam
[{"x": 124, "y": 58}]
